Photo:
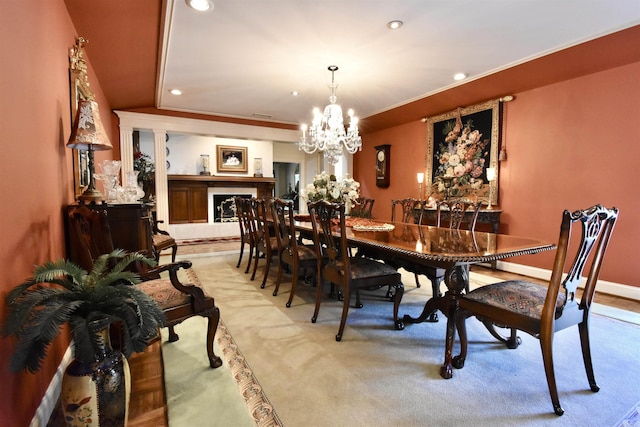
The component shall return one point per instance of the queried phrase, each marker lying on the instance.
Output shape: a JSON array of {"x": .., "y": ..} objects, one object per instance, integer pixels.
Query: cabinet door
[
  {"x": 178, "y": 205},
  {"x": 199, "y": 205},
  {"x": 188, "y": 204}
]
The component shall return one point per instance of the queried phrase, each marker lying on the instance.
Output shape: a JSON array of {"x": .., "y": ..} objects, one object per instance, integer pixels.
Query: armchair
[{"x": 179, "y": 301}]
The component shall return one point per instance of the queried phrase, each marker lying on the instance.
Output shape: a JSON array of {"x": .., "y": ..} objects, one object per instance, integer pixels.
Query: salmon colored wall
[
  {"x": 570, "y": 145},
  {"x": 35, "y": 169}
]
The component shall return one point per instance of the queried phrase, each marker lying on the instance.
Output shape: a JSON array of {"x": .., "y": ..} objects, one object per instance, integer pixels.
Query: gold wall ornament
[{"x": 80, "y": 91}]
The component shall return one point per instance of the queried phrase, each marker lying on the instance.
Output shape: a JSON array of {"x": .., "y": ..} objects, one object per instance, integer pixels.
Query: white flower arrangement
[{"x": 328, "y": 187}]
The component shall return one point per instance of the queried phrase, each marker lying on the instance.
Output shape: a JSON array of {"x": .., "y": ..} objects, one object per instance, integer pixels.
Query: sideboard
[
  {"x": 130, "y": 224},
  {"x": 485, "y": 216}
]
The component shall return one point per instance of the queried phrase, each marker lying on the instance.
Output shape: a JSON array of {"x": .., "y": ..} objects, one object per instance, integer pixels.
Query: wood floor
[{"x": 148, "y": 403}]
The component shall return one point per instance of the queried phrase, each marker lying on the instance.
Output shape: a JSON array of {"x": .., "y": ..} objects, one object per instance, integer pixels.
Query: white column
[
  {"x": 162, "y": 191},
  {"x": 126, "y": 150}
]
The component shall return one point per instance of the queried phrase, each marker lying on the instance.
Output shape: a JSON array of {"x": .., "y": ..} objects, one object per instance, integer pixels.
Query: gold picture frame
[
  {"x": 231, "y": 158},
  {"x": 79, "y": 85},
  {"x": 461, "y": 145}
]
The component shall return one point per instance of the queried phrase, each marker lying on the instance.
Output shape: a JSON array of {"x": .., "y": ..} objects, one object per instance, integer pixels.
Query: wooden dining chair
[
  {"x": 363, "y": 207},
  {"x": 179, "y": 301},
  {"x": 294, "y": 255},
  {"x": 543, "y": 310},
  {"x": 340, "y": 268},
  {"x": 243, "y": 213},
  {"x": 407, "y": 207},
  {"x": 266, "y": 244},
  {"x": 457, "y": 210},
  {"x": 162, "y": 239}
]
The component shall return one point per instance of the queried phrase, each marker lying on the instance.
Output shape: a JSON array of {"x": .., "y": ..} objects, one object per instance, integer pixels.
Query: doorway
[{"x": 287, "y": 177}]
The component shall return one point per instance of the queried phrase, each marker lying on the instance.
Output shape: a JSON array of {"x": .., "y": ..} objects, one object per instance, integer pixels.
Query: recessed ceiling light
[
  {"x": 200, "y": 5},
  {"x": 175, "y": 92},
  {"x": 459, "y": 76},
  {"x": 394, "y": 25},
  {"x": 295, "y": 93}
]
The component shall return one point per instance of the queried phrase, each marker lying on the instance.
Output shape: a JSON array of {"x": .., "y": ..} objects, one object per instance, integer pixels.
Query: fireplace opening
[{"x": 224, "y": 207}]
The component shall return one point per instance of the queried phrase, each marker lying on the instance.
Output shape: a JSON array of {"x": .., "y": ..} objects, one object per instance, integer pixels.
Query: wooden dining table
[{"x": 444, "y": 248}]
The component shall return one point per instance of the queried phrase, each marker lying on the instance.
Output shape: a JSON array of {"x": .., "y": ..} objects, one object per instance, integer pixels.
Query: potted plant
[
  {"x": 89, "y": 302},
  {"x": 146, "y": 174}
]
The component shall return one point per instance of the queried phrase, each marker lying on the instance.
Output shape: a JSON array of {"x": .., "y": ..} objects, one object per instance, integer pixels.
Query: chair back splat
[
  {"x": 340, "y": 269},
  {"x": 543, "y": 310}
]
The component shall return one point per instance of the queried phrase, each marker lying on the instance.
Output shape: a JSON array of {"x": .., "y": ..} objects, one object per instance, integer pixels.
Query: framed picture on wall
[
  {"x": 231, "y": 159},
  {"x": 461, "y": 146}
]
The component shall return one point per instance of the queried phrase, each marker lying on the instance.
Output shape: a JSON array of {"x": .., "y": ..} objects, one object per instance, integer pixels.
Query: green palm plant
[{"x": 88, "y": 301}]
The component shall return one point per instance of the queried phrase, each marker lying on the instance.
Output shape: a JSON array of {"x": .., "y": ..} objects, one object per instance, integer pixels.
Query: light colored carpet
[{"x": 380, "y": 376}]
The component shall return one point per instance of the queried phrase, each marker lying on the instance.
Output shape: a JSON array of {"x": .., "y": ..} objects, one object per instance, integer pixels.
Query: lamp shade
[
  {"x": 88, "y": 131},
  {"x": 420, "y": 176}
]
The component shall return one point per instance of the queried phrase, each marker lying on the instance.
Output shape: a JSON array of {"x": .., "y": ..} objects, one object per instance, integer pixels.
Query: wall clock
[{"x": 383, "y": 162}]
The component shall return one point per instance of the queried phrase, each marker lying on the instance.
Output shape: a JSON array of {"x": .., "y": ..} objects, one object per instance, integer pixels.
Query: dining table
[{"x": 452, "y": 250}]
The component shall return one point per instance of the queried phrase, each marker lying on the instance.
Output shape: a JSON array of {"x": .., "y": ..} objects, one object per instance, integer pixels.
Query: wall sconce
[
  {"x": 491, "y": 176},
  {"x": 420, "y": 177},
  {"x": 88, "y": 134},
  {"x": 204, "y": 161}
]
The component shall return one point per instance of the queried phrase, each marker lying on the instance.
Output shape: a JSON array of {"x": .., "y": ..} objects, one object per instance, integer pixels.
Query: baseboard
[
  {"x": 611, "y": 288},
  {"x": 50, "y": 399}
]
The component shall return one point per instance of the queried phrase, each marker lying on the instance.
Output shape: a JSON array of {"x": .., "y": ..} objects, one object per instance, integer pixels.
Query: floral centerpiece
[
  {"x": 461, "y": 158},
  {"x": 328, "y": 187},
  {"x": 143, "y": 164}
]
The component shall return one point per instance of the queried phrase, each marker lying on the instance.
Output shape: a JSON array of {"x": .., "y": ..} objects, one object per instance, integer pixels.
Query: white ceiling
[{"x": 245, "y": 57}]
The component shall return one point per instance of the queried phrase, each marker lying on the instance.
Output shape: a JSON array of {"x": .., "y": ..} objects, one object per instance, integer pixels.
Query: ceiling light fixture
[
  {"x": 395, "y": 24},
  {"x": 200, "y": 5},
  {"x": 175, "y": 92},
  {"x": 327, "y": 132},
  {"x": 459, "y": 76}
]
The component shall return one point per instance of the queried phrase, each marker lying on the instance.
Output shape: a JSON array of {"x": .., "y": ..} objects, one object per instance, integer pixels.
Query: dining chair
[
  {"x": 179, "y": 301},
  {"x": 407, "y": 207},
  {"x": 542, "y": 310},
  {"x": 363, "y": 207},
  {"x": 162, "y": 239},
  {"x": 340, "y": 268},
  {"x": 294, "y": 255},
  {"x": 266, "y": 244},
  {"x": 243, "y": 208},
  {"x": 457, "y": 210}
]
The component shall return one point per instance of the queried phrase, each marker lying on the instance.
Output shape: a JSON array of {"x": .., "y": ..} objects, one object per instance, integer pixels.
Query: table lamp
[
  {"x": 88, "y": 134},
  {"x": 420, "y": 177}
]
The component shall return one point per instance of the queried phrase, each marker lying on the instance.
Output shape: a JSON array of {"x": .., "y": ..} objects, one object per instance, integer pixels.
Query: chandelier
[{"x": 327, "y": 133}]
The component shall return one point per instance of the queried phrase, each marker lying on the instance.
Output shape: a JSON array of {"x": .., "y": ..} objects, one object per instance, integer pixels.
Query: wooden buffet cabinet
[
  {"x": 188, "y": 194},
  {"x": 130, "y": 224}
]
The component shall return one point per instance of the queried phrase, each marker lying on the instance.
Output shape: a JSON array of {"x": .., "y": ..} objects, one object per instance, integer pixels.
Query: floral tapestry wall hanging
[{"x": 461, "y": 145}]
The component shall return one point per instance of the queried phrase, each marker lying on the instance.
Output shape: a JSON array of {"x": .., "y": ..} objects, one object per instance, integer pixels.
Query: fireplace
[{"x": 224, "y": 207}]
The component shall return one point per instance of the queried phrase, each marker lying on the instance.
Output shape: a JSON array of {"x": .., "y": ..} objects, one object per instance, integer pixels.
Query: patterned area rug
[{"x": 258, "y": 404}]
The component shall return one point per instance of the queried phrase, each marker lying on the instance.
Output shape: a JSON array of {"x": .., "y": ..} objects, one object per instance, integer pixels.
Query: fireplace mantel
[{"x": 188, "y": 202}]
